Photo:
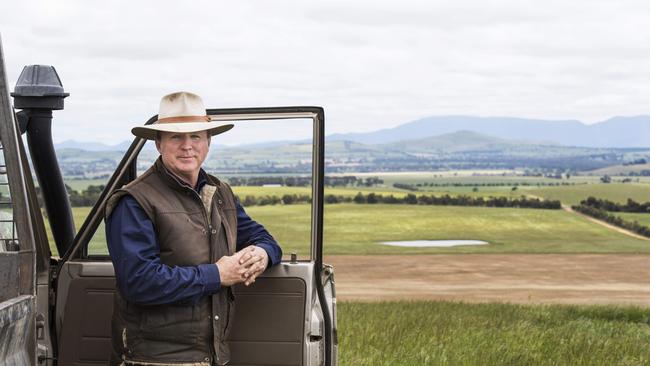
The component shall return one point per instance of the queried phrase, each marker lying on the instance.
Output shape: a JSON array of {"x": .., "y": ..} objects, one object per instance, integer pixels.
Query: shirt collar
[{"x": 203, "y": 180}]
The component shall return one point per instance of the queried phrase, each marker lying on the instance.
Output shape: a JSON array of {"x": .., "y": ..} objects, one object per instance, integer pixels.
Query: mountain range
[
  {"x": 456, "y": 150},
  {"x": 617, "y": 132},
  {"x": 620, "y": 132}
]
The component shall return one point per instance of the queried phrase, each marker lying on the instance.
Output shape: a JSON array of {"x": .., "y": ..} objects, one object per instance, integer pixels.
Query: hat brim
[{"x": 149, "y": 132}]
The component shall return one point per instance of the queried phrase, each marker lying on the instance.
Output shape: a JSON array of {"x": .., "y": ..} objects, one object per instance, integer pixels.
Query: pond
[{"x": 433, "y": 243}]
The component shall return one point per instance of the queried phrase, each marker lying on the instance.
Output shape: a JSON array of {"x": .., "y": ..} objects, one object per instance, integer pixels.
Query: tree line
[
  {"x": 409, "y": 199},
  {"x": 91, "y": 194},
  {"x": 343, "y": 181},
  {"x": 87, "y": 197},
  {"x": 607, "y": 205},
  {"x": 417, "y": 186}
]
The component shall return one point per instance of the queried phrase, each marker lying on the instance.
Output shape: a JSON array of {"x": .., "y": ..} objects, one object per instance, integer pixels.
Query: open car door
[{"x": 298, "y": 323}]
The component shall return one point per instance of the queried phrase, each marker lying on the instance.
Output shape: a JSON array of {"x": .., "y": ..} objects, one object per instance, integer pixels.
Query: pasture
[
  {"x": 357, "y": 228},
  {"x": 450, "y": 333},
  {"x": 243, "y": 191},
  {"x": 641, "y": 218},
  {"x": 571, "y": 195},
  {"x": 81, "y": 184}
]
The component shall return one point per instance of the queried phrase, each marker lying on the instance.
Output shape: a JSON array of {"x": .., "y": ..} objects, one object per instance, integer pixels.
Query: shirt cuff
[
  {"x": 210, "y": 277},
  {"x": 271, "y": 253}
]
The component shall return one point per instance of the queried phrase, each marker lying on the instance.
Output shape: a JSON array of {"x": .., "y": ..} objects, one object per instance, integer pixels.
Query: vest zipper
[{"x": 208, "y": 221}]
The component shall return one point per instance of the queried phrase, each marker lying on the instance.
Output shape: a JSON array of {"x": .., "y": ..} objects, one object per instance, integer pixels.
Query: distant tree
[
  {"x": 411, "y": 199},
  {"x": 249, "y": 201},
  {"x": 331, "y": 198},
  {"x": 606, "y": 179},
  {"x": 288, "y": 199}
]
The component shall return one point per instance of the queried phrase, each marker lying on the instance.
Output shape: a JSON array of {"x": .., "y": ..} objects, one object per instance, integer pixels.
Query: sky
[{"x": 370, "y": 64}]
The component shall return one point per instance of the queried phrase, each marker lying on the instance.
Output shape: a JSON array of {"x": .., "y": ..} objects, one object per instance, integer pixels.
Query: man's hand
[
  {"x": 255, "y": 260},
  {"x": 231, "y": 269}
]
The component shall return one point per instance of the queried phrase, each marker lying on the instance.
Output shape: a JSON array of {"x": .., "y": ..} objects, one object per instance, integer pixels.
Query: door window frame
[{"x": 126, "y": 171}]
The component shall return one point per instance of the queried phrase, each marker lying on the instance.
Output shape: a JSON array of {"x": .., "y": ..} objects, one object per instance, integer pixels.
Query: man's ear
[
  {"x": 157, "y": 140},
  {"x": 209, "y": 139}
]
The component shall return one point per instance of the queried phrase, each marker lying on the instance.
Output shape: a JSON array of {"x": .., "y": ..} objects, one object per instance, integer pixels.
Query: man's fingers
[
  {"x": 244, "y": 257},
  {"x": 256, "y": 269},
  {"x": 252, "y": 260},
  {"x": 252, "y": 278},
  {"x": 245, "y": 254}
]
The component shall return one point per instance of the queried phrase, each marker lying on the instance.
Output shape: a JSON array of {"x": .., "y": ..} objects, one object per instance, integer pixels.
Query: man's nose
[{"x": 186, "y": 142}]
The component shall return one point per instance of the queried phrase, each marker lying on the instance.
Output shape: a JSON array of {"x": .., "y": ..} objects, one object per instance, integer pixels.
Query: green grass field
[
  {"x": 448, "y": 333},
  {"x": 81, "y": 184},
  {"x": 571, "y": 195},
  {"x": 280, "y": 191},
  {"x": 356, "y": 229},
  {"x": 641, "y": 218}
]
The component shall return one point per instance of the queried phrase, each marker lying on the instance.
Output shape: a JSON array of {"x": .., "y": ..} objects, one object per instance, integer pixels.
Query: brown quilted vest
[{"x": 191, "y": 229}]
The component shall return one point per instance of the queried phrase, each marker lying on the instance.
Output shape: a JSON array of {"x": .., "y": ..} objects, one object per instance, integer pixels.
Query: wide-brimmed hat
[{"x": 181, "y": 112}]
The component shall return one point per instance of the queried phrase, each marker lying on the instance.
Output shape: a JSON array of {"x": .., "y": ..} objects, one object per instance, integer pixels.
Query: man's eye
[{"x": 196, "y": 137}]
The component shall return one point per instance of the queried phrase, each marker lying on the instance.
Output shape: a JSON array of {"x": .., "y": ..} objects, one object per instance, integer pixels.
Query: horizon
[{"x": 262, "y": 140}]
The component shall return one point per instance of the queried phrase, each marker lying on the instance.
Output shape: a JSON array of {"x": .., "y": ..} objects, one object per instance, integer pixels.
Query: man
[{"x": 179, "y": 240}]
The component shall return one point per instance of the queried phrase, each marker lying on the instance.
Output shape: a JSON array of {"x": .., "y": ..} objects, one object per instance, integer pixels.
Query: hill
[{"x": 615, "y": 132}]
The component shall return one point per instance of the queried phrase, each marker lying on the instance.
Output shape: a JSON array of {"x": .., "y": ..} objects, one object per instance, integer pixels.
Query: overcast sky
[{"x": 370, "y": 64}]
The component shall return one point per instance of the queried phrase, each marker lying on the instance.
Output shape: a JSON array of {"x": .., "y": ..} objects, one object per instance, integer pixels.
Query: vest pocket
[{"x": 176, "y": 323}]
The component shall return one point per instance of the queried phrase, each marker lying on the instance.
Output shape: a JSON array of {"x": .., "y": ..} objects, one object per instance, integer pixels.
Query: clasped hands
[{"x": 243, "y": 266}]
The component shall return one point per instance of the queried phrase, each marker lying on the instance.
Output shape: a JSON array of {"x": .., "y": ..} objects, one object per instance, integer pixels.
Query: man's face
[{"x": 183, "y": 153}]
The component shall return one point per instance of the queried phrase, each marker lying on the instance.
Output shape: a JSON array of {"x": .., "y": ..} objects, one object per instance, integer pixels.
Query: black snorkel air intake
[{"x": 38, "y": 92}]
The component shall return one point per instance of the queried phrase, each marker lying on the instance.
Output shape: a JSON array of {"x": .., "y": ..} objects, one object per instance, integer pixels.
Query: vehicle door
[
  {"x": 22, "y": 236},
  {"x": 287, "y": 317}
]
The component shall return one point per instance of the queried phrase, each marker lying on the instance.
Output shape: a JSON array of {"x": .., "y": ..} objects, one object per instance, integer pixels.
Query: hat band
[{"x": 183, "y": 119}]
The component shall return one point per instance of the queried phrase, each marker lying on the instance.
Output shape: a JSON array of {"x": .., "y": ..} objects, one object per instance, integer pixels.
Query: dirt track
[
  {"x": 605, "y": 224},
  {"x": 516, "y": 278}
]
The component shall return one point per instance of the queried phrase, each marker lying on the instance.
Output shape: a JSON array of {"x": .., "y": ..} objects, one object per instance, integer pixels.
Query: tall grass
[{"x": 447, "y": 333}]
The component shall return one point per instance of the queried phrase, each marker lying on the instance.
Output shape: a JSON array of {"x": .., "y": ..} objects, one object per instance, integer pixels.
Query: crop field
[{"x": 450, "y": 333}]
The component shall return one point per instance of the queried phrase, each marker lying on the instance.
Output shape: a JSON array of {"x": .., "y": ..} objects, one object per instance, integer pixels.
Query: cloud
[{"x": 370, "y": 64}]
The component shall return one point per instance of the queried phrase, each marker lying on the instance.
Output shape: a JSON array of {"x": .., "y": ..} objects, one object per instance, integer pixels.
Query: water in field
[{"x": 433, "y": 243}]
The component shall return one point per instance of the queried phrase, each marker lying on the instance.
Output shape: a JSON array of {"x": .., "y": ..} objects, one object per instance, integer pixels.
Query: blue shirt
[{"x": 140, "y": 275}]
